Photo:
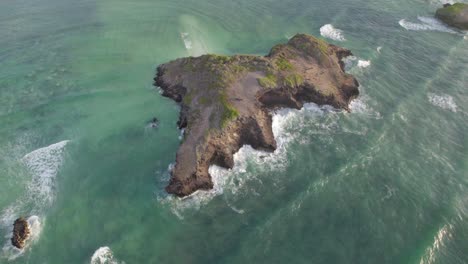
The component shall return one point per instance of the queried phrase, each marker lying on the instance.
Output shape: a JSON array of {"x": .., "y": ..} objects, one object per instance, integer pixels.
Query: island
[
  {"x": 455, "y": 15},
  {"x": 21, "y": 233},
  {"x": 226, "y": 101}
]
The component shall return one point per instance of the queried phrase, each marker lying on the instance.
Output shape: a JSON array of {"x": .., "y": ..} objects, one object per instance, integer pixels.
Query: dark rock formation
[
  {"x": 154, "y": 123},
  {"x": 455, "y": 15},
  {"x": 21, "y": 233},
  {"x": 226, "y": 101}
]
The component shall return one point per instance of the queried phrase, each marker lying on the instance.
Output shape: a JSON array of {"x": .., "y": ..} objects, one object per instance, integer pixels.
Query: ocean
[{"x": 385, "y": 183}]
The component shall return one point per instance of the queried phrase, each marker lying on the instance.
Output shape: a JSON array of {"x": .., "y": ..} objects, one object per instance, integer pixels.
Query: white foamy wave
[
  {"x": 379, "y": 49},
  {"x": 237, "y": 210},
  {"x": 182, "y": 133},
  {"x": 234, "y": 181},
  {"x": 44, "y": 164},
  {"x": 443, "y": 101},
  {"x": 35, "y": 226},
  {"x": 186, "y": 39},
  {"x": 104, "y": 255},
  {"x": 349, "y": 62},
  {"x": 196, "y": 199},
  {"x": 427, "y": 24},
  {"x": 361, "y": 106},
  {"x": 353, "y": 61},
  {"x": 194, "y": 35},
  {"x": 329, "y": 31},
  {"x": 440, "y": 240},
  {"x": 439, "y": 3},
  {"x": 363, "y": 63},
  {"x": 8, "y": 216}
]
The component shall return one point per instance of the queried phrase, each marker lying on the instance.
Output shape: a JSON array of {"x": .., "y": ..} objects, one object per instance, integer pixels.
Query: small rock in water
[
  {"x": 21, "y": 233},
  {"x": 154, "y": 123}
]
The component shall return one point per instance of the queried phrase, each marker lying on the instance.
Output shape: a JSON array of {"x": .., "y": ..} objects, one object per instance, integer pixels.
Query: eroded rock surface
[
  {"x": 21, "y": 233},
  {"x": 226, "y": 101}
]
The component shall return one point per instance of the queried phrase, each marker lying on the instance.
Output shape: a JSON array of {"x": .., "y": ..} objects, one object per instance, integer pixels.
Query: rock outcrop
[
  {"x": 226, "y": 101},
  {"x": 21, "y": 233},
  {"x": 455, "y": 15}
]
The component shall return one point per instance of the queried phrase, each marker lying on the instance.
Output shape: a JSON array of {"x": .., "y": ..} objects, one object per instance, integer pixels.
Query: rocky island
[
  {"x": 226, "y": 101},
  {"x": 21, "y": 233},
  {"x": 455, "y": 15}
]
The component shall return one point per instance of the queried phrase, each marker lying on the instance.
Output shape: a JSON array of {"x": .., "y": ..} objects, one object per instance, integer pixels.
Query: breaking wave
[
  {"x": 361, "y": 106},
  {"x": 440, "y": 240},
  {"x": 43, "y": 164},
  {"x": 187, "y": 41},
  {"x": 193, "y": 35},
  {"x": 289, "y": 125},
  {"x": 353, "y": 61},
  {"x": 363, "y": 63},
  {"x": 443, "y": 101},
  {"x": 439, "y": 3},
  {"x": 329, "y": 31},
  {"x": 104, "y": 255},
  {"x": 426, "y": 24}
]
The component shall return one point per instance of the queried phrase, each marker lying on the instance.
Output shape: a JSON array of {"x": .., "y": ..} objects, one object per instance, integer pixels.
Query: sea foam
[
  {"x": 288, "y": 126},
  {"x": 426, "y": 24},
  {"x": 361, "y": 106},
  {"x": 187, "y": 41},
  {"x": 363, "y": 63},
  {"x": 9, "y": 251},
  {"x": 329, "y": 31},
  {"x": 104, "y": 255},
  {"x": 43, "y": 164},
  {"x": 353, "y": 61},
  {"x": 443, "y": 101}
]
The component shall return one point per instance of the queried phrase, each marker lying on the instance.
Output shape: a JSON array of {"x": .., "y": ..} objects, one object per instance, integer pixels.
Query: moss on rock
[{"x": 455, "y": 15}]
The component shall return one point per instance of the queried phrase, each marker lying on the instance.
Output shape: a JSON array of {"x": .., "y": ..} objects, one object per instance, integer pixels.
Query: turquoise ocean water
[{"x": 387, "y": 183}]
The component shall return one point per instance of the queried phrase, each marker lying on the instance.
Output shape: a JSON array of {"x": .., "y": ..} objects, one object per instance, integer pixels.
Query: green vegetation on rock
[
  {"x": 229, "y": 111},
  {"x": 204, "y": 101},
  {"x": 269, "y": 81},
  {"x": 453, "y": 9},
  {"x": 293, "y": 80},
  {"x": 188, "y": 98},
  {"x": 322, "y": 46},
  {"x": 455, "y": 15},
  {"x": 283, "y": 64}
]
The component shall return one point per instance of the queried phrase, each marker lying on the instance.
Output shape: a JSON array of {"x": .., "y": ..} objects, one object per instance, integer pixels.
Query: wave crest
[
  {"x": 289, "y": 126},
  {"x": 427, "y": 24},
  {"x": 329, "y": 31},
  {"x": 104, "y": 255},
  {"x": 43, "y": 164}
]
